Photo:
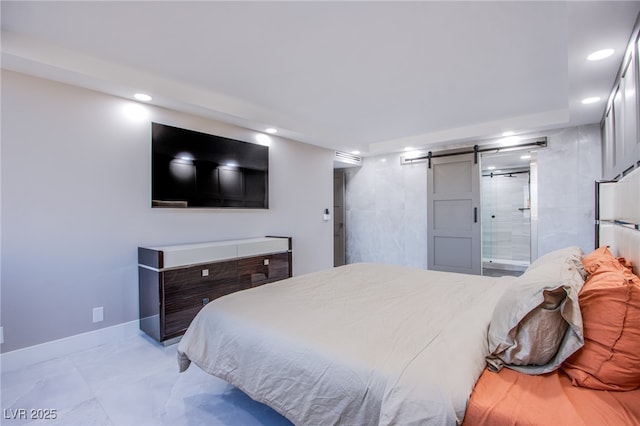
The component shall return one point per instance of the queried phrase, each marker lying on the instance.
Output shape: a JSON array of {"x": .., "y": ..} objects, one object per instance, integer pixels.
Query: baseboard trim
[{"x": 21, "y": 358}]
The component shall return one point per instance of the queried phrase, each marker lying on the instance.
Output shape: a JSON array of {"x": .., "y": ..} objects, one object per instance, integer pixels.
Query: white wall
[
  {"x": 386, "y": 207},
  {"x": 76, "y": 205}
]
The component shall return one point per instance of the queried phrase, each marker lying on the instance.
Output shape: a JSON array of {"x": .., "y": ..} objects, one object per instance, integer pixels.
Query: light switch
[
  {"x": 205, "y": 272},
  {"x": 265, "y": 262}
]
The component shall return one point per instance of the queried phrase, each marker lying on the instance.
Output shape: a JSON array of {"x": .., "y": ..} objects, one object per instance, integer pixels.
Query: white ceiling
[{"x": 369, "y": 76}]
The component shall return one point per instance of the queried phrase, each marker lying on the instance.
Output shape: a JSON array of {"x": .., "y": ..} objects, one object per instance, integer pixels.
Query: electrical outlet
[{"x": 98, "y": 314}]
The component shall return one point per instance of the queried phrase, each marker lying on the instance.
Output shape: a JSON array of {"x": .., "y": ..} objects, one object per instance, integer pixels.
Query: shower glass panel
[{"x": 506, "y": 214}]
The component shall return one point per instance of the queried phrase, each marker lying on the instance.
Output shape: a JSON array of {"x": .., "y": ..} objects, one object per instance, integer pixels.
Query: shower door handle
[{"x": 475, "y": 215}]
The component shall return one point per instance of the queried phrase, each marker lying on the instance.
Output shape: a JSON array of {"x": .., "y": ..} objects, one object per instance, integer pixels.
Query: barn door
[{"x": 453, "y": 196}]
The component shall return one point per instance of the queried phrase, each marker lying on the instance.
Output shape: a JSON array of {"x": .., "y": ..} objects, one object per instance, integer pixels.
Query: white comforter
[{"x": 361, "y": 344}]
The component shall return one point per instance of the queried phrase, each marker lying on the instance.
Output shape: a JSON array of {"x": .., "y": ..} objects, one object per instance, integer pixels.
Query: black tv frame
[{"x": 191, "y": 169}]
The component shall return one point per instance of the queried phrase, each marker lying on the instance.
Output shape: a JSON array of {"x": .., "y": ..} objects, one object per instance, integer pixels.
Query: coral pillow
[
  {"x": 610, "y": 305},
  {"x": 598, "y": 257}
]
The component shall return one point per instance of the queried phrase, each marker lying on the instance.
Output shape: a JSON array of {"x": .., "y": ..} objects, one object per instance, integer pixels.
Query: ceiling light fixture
[
  {"x": 591, "y": 100},
  {"x": 355, "y": 152},
  {"x": 600, "y": 54},
  {"x": 142, "y": 97},
  {"x": 271, "y": 130},
  {"x": 509, "y": 133}
]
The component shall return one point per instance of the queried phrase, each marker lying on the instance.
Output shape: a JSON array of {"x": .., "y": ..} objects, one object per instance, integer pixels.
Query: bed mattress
[{"x": 361, "y": 344}]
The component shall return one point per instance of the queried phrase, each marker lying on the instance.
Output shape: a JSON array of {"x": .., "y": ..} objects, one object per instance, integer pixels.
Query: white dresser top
[{"x": 191, "y": 254}]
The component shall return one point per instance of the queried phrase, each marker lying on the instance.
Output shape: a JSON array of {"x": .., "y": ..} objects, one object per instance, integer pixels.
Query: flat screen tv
[{"x": 193, "y": 169}]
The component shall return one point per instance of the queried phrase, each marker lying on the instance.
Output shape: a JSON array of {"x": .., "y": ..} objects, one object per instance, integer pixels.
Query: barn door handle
[{"x": 475, "y": 215}]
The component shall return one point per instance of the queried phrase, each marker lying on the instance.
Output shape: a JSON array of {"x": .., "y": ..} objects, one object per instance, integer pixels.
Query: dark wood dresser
[{"x": 175, "y": 282}]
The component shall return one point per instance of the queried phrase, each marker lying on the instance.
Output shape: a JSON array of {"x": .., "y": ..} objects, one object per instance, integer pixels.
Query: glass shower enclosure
[{"x": 506, "y": 196}]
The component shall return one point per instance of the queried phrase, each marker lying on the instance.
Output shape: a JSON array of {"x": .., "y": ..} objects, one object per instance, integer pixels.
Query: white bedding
[{"x": 362, "y": 344}]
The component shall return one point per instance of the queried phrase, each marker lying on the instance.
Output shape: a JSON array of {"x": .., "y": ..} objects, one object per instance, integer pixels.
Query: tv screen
[{"x": 193, "y": 169}]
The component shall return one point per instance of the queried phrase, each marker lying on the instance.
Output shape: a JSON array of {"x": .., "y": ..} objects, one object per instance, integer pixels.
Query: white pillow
[{"x": 537, "y": 324}]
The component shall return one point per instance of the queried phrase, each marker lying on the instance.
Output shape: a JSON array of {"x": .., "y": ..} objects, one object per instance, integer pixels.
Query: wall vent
[{"x": 345, "y": 159}]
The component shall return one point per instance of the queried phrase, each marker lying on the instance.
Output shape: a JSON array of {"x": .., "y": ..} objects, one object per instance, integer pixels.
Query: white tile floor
[{"x": 134, "y": 382}]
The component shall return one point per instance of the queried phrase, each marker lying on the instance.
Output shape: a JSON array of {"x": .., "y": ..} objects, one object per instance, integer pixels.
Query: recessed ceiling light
[
  {"x": 600, "y": 54},
  {"x": 592, "y": 100},
  {"x": 142, "y": 97},
  {"x": 271, "y": 130}
]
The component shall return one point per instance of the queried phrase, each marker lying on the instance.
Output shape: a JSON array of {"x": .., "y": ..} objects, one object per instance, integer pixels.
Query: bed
[
  {"x": 360, "y": 344},
  {"x": 367, "y": 344}
]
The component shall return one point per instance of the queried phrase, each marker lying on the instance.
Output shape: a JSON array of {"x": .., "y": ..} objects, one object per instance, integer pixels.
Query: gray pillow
[
  {"x": 552, "y": 263},
  {"x": 537, "y": 324}
]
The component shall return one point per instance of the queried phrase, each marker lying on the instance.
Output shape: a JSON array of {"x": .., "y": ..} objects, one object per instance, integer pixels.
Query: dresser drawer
[
  {"x": 182, "y": 308},
  {"x": 258, "y": 270},
  {"x": 185, "y": 280},
  {"x": 185, "y": 289}
]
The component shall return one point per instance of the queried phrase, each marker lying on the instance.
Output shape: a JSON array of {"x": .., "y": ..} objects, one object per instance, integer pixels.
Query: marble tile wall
[
  {"x": 386, "y": 210},
  {"x": 386, "y": 206},
  {"x": 567, "y": 171}
]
